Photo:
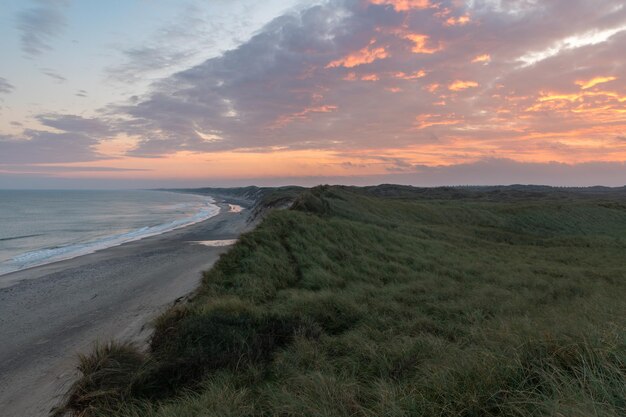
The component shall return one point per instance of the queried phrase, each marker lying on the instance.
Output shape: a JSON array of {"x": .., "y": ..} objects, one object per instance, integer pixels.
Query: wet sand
[{"x": 51, "y": 313}]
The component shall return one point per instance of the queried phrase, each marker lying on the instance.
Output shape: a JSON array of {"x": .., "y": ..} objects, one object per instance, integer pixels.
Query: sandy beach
[{"x": 51, "y": 313}]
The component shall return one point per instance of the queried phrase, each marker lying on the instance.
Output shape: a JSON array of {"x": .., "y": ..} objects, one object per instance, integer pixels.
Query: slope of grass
[{"x": 375, "y": 302}]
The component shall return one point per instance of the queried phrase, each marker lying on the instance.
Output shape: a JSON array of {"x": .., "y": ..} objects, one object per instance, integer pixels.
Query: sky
[{"x": 164, "y": 93}]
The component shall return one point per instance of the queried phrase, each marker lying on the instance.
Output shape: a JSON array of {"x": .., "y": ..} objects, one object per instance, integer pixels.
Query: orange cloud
[
  {"x": 605, "y": 106},
  {"x": 405, "y": 5},
  {"x": 366, "y": 55},
  {"x": 370, "y": 77},
  {"x": 432, "y": 87},
  {"x": 420, "y": 44},
  {"x": 458, "y": 21},
  {"x": 594, "y": 81},
  {"x": 428, "y": 120},
  {"x": 460, "y": 85},
  {"x": 366, "y": 77},
  {"x": 302, "y": 115},
  {"x": 485, "y": 58},
  {"x": 412, "y": 76}
]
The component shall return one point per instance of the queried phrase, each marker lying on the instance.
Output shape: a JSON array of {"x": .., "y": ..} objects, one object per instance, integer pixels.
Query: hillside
[{"x": 393, "y": 301}]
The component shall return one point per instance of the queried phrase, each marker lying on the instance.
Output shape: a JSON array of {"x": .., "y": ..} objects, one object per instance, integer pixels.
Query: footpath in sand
[{"x": 51, "y": 313}]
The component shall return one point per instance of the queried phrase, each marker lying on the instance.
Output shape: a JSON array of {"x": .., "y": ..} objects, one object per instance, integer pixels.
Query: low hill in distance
[{"x": 391, "y": 301}]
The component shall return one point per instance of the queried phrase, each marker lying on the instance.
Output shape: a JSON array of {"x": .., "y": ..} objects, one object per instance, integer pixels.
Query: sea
[{"x": 41, "y": 227}]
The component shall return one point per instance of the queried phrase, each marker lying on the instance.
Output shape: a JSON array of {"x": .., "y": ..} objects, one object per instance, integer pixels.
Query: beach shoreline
[
  {"x": 71, "y": 250},
  {"x": 50, "y": 313}
]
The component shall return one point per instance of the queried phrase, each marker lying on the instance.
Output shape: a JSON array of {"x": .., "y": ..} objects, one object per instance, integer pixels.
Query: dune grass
[{"x": 354, "y": 303}]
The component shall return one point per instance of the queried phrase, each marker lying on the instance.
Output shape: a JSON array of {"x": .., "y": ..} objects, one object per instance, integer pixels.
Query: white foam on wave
[{"x": 50, "y": 255}]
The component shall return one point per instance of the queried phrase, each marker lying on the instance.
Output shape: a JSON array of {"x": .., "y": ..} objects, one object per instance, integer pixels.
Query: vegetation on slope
[
  {"x": 385, "y": 302},
  {"x": 258, "y": 199}
]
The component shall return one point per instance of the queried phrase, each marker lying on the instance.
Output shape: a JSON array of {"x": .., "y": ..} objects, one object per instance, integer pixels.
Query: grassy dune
[{"x": 392, "y": 301}]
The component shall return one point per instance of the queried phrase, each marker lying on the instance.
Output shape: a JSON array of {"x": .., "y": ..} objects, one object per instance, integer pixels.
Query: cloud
[
  {"x": 139, "y": 61},
  {"x": 43, "y": 169},
  {"x": 390, "y": 163},
  {"x": 54, "y": 75},
  {"x": 491, "y": 171},
  {"x": 505, "y": 171},
  {"x": 460, "y": 85},
  {"x": 458, "y": 21},
  {"x": 366, "y": 55},
  {"x": 46, "y": 147},
  {"x": 397, "y": 81},
  {"x": 351, "y": 74},
  {"x": 405, "y": 5},
  {"x": 420, "y": 44},
  {"x": 594, "y": 81},
  {"x": 484, "y": 58},
  {"x": 39, "y": 25},
  {"x": 412, "y": 76},
  {"x": 193, "y": 32},
  {"x": 286, "y": 72},
  {"x": 5, "y": 86},
  {"x": 76, "y": 124},
  {"x": 74, "y": 140},
  {"x": 482, "y": 172}
]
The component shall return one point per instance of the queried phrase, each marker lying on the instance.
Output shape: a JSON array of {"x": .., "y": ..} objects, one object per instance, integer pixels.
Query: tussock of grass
[
  {"x": 393, "y": 302},
  {"x": 109, "y": 374}
]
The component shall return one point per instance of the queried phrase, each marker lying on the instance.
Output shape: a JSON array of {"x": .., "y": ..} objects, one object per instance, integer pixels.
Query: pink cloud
[
  {"x": 422, "y": 44},
  {"x": 458, "y": 21},
  {"x": 483, "y": 58},
  {"x": 363, "y": 56},
  {"x": 460, "y": 85}
]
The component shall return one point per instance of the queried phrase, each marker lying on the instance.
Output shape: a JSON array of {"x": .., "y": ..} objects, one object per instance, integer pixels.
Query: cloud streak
[
  {"x": 54, "y": 75},
  {"x": 62, "y": 169},
  {"x": 73, "y": 139},
  {"x": 5, "y": 86},
  {"x": 39, "y": 25}
]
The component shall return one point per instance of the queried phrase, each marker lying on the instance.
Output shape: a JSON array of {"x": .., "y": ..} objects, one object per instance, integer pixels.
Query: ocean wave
[
  {"x": 50, "y": 255},
  {"x": 6, "y": 239}
]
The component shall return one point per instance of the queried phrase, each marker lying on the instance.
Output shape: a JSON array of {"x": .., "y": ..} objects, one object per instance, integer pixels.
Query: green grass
[{"x": 392, "y": 302}]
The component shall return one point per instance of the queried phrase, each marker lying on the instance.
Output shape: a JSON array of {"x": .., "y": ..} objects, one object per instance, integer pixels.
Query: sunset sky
[{"x": 142, "y": 93}]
